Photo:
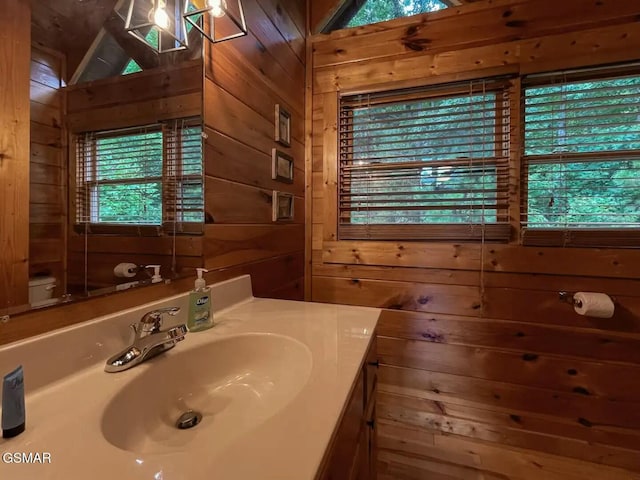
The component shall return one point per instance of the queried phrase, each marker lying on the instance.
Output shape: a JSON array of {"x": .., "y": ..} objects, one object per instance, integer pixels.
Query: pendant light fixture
[
  {"x": 159, "y": 24},
  {"x": 217, "y": 20}
]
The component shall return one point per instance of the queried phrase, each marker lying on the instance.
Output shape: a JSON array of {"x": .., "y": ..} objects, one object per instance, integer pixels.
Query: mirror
[{"x": 115, "y": 170}]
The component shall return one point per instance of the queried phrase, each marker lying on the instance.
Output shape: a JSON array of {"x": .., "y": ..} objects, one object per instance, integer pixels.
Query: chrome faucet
[{"x": 149, "y": 340}]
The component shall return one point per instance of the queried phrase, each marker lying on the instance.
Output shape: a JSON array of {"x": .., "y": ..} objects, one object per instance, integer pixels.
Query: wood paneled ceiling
[
  {"x": 69, "y": 26},
  {"x": 76, "y": 27}
]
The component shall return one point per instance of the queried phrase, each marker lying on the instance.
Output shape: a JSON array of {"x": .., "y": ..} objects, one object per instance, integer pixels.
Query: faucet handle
[
  {"x": 153, "y": 315},
  {"x": 152, "y": 321}
]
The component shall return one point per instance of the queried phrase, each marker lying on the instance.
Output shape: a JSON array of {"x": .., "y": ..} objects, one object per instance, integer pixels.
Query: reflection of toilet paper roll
[
  {"x": 125, "y": 270},
  {"x": 593, "y": 304}
]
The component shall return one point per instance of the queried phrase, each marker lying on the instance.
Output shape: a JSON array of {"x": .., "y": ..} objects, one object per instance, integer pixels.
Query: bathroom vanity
[
  {"x": 276, "y": 390},
  {"x": 352, "y": 452}
]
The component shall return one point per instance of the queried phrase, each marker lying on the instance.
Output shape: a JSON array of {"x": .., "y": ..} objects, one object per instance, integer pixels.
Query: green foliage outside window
[
  {"x": 129, "y": 179},
  {"x": 125, "y": 174},
  {"x": 139, "y": 204},
  {"x": 591, "y": 133},
  {"x": 191, "y": 192},
  {"x": 374, "y": 11},
  {"x": 131, "y": 67},
  {"x": 440, "y": 129}
]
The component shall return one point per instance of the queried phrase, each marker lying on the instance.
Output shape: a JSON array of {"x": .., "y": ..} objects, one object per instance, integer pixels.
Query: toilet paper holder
[{"x": 568, "y": 297}]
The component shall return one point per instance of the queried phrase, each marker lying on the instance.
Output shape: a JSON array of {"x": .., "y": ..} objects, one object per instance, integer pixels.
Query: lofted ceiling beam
[
  {"x": 323, "y": 11},
  {"x": 83, "y": 27},
  {"x": 141, "y": 54}
]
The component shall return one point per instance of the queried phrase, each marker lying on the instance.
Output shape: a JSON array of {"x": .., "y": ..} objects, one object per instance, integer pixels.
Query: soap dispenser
[
  {"x": 156, "y": 277},
  {"x": 200, "y": 314}
]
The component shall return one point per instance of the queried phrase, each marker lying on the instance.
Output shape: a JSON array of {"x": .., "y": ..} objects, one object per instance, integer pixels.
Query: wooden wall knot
[
  {"x": 584, "y": 422},
  {"x": 581, "y": 391},
  {"x": 529, "y": 357},
  {"x": 423, "y": 299},
  {"x": 412, "y": 31},
  {"x": 516, "y": 24},
  {"x": 433, "y": 336},
  {"x": 411, "y": 41},
  {"x": 417, "y": 45}
]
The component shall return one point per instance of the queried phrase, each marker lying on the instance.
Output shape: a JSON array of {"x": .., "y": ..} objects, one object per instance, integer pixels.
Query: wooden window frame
[
  {"x": 167, "y": 225},
  {"x": 623, "y": 237},
  {"x": 499, "y": 231}
]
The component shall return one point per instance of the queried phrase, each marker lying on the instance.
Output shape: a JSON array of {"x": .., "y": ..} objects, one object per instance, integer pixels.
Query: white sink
[
  {"x": 236, "y": 383},
  {"x": 270, "y": 379}
]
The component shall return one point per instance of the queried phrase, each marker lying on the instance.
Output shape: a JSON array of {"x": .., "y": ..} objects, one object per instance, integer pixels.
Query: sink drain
[{"x": 188, "y": 419}]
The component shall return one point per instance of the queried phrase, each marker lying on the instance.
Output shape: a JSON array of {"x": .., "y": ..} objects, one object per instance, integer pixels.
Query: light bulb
[
  {"x": 158, "y": 14},
  {"x": 160, "y": 17},
  {"x": 217, "y": 7}
]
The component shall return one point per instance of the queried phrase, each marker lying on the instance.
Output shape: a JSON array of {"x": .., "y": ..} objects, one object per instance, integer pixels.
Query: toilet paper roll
[
  {"x": 125, "y": 270},
  {"x": 593, "y": 304}
]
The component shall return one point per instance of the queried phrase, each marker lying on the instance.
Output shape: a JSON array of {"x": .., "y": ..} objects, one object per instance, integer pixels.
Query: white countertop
[{"x": 64, "y": 414}]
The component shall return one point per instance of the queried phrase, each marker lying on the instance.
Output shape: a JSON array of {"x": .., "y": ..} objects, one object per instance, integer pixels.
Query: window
[
  {"x": 145, "y": 176},
  {"x": 131, "y": 67},
  {"x": 364, "y": 12},
  {"x": 582, "y": 159},
  {"x": 426, "y": 163}
]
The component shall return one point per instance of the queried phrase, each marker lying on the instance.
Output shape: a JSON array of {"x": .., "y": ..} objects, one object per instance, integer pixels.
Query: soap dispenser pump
[
  {"x": 200, "y": 314},
  {"x": 156, "y": 277}
]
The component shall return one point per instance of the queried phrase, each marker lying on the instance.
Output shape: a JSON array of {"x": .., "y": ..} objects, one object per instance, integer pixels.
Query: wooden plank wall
[
  {"x": 244, "y": 79},
  {"x": 484, "y": 373},
  {"x": 48, "y": 168},
  {"x": 137, "y": 99},
  {"x": 15, "y": 46}
]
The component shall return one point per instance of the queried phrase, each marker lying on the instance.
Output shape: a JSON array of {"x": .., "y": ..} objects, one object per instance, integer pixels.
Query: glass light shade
[
  {"x": 217, "y": 20},
  {"x": 217, "y": 7},
  {"x": 159, "y": 24}
]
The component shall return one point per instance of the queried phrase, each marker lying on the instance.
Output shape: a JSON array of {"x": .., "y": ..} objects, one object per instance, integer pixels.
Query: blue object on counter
[{"x": 13, "y": 414}]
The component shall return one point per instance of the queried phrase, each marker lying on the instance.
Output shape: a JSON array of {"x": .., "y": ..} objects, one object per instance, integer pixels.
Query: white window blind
[
  {"x": 425, "y": 163},
  {"x": 147, "y": 176},
  {"x": 183, "y": 187},
  {"x": 582, "y": 159}
]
